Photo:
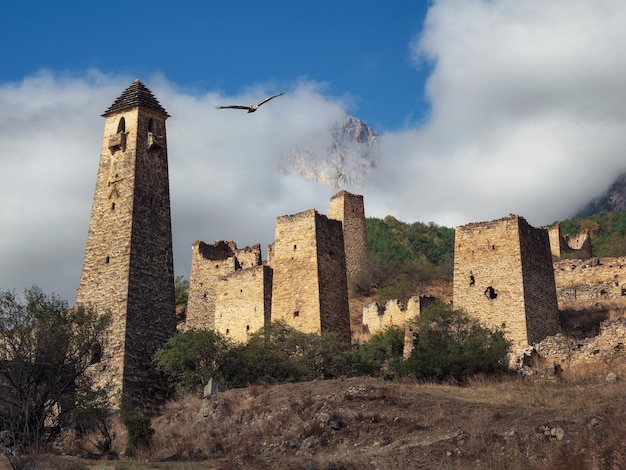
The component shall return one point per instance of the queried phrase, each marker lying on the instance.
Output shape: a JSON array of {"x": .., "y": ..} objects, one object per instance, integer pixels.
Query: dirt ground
[{"x": 574, "y": 422}]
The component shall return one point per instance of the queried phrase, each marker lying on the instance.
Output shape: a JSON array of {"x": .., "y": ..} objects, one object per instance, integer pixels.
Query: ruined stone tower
[
  {"x": 310, "y": 291},
  {"x": 229, "y": 289},
  {"x": 348, "y": 208},
  {"x": 503, "y": 276},
  {"x": 128, "y": 266},
  {"x": 563, "y": 246}
]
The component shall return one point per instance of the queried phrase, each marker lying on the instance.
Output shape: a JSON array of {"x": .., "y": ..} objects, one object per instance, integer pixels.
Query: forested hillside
[
  {"x": 607, "y": 232},
  {"x": 406, "y": 256}
]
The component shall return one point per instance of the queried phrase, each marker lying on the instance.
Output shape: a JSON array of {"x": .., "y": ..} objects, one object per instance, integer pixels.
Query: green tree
[
  {"x": 381, "y": 353},
  {"x": 404, "y": 258},
  {"x": 276, "y": 353},
  {"x": 47, "y": 348},
  {"x": 451, "y": 345},
  {"x": 181, "y": 290},
  {"x": 191, "y": 358}
]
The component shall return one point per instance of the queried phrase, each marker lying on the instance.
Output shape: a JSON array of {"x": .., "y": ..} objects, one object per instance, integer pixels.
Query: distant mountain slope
[
  {"x": 613, "y": 200},
  {"x": 342, "y": 160}
]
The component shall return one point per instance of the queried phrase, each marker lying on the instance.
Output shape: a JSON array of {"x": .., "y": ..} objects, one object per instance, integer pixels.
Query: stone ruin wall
[
  {"x": 334, "y": 310},
  {"x": 309, "y": 289},
  {"x": 569, "y": 247},
  {"x": 209, "y": 264},
  {"x": 493, "y": 264},
  {"x": 591, "y": 285},
  {"x": 377, "y": 318},
  {"x": 566, "y": 351},
  {"x": 542, "y": 317},
  {"x": 350, "y": 211},
  {"x": 243, "y": 301}
]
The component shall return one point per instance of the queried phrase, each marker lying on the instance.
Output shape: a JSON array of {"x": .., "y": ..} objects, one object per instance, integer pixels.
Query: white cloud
[
  {"x": 527, "y": 113},
  {"x": 528, "y": 117}
]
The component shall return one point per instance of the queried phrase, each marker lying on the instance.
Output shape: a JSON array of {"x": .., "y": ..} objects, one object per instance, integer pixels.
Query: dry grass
[{"x": 370, "y": 423}]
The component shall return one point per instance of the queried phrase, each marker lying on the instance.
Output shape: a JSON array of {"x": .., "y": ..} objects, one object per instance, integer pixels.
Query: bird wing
[
  {"x": 234, "y": 106},
  {"x": 270, "y": 98}
]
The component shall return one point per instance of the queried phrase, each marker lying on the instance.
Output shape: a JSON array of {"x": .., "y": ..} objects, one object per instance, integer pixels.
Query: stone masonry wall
[
  {"x": 592, "y": 284},
  {"x": 333, "y": 283},
  {"x": 540, "y": 301},
  {"x": 349, "y": 210},
  {"x": 576, "y": 247},
  {"x": 491, "y": 261},
  {"x": 209, "y": 263},
  {"x": 309, "y": 289},
  {"x": 376, "y": 318},
  {"x": 243, "y": 302},
  {"x": 128, "y": 264}
]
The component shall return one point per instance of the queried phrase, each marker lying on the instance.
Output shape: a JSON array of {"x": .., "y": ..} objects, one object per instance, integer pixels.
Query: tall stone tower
[
  {"x": 503, "y": 276},
  {"x": 309, "y": 290},
  {"x": 348, "y": 208},
  {"x": 128, "y": 266}
]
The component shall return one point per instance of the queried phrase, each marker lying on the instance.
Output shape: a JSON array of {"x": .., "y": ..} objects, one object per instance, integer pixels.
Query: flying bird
[{"x": 252, "y": 108}]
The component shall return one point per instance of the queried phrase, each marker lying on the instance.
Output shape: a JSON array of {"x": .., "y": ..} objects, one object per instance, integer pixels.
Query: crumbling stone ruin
[
  {"x": 590, "y": 291},
  {"x": 229, "y": 289},
  {"x": 503, "y": 270},
  {"x": 128, "y": 265},
  {"x": 303, "y": 282},
  {"x": 567, "y": 247},
  {"x": 377, "y": 318},
  {"x": 350, "y": 211},
  {"x": 310, "y": 290},
  {"x": 503, "y": 275}
]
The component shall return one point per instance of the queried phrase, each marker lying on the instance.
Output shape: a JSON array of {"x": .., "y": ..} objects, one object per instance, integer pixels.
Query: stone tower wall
[
  {"x": 333, "y": 283},
  {"x": 243, "y": 302},
  {"x": 542, "y": 318},
  {"x": 568, "y": 247},
  {"x": 128, "y": 265},
  {"x": 376, "y": 318},
  {"x": 309, "y": 285},
  {"x": 596, "y": 283},
  {"x": 349, "y": 210},
  {"x": 209, "y": 263},
  {"x": 493, "y": 262}
]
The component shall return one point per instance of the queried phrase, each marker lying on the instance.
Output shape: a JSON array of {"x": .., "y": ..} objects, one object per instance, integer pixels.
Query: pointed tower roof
[{"x": 135, "y": 95}]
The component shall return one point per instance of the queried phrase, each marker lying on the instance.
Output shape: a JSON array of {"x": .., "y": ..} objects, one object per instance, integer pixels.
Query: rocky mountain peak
[
  {"x": 342, "y": 159},
  {"x": 613, "y": 200}
]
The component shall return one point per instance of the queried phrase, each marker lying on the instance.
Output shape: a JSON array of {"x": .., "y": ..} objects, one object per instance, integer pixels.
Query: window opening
[{"x": 490, "y": 293}]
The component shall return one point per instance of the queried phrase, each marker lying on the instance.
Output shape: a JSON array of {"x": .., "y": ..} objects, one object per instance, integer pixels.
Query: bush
[
  {"x": 47, "y": 348},
  {"x": 191, "y": 358},
  {"x": 181, "y": 290},
  {"x": 453, "y": 345},
  {"x": 381, "y": 354},
  {"x": 139, "y": 429},
  {"x": 278, "y": 353}
]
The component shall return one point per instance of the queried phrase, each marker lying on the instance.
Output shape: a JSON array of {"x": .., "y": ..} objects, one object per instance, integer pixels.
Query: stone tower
[
  {"x": 310, "y": 291},
  {"x": 503, "y": 276},
  {"x": 128, "y": 266},
  {"x": 349, "y": 210},
  {"x": 566, "y": 247},
  {"x": 230, "y": 289}
]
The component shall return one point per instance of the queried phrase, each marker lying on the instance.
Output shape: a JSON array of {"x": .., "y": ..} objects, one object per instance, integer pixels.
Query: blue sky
[
  {"x": 359, "y": 50},
  {"x": 483, "y": 107}
]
